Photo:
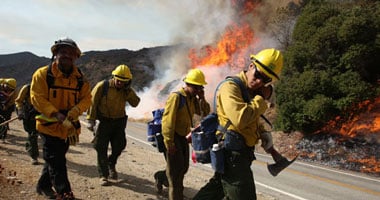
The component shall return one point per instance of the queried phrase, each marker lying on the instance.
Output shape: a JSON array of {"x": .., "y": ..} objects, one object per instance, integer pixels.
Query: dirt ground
[{"x": 136, "y": 167}]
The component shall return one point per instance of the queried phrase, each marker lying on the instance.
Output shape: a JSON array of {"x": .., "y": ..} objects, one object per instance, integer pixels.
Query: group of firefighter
[{"x": 50, "y": 107}]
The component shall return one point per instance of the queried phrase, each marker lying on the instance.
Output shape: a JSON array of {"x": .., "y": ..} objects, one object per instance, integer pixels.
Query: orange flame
[
  {"x": 369, "y": 165},
  {"x": 235, "y": 41},
  {"x": 367, "y": 122}
]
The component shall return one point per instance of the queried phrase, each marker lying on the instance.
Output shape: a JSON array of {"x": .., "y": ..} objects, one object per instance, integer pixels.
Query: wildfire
[
  {"x": 369, "y": 165},
  {"x": 367, "y": 122},
  {"x": 233, "y": 45}
]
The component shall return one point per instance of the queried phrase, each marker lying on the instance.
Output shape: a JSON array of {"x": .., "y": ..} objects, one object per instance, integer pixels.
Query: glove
[
  {"x": 91, "y": 124},
  {"x": 265, "y": 91},
  {"x": 72, "y": 137},
  {"x": 73, "y": 114},
  {"x": 67, "y": 124},
  {"x": 188, "y": 138},
  {"x": 59, "y": 116},
  {"x": 266, "y": 140}
]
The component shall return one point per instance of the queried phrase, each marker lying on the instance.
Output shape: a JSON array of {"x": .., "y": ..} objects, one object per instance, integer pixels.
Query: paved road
[{"x": 300, "y": 180}]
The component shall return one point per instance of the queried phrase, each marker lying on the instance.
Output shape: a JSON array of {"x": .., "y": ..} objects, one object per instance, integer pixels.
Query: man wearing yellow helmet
[
  {"x": 8, "y": 94},
  {"x": 243, "y": 118},
  {"x": 176, "y": 124},
  {"x": 108, "y": 106},
  {"x": 60, "y": 93}
]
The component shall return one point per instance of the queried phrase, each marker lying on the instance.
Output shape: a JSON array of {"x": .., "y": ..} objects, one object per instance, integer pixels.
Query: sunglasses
[
  {"x": 262, "y": 77},
  {"x": 197, "y": 87}
]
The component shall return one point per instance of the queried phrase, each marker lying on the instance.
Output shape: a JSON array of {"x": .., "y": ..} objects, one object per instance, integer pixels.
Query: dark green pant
[
  {"x": 237, "y": 181},
  {"x": 177, "y": 166},
  {"x": 31, "y": 144},
  {"x": 212, "y": 190},
  {"x": 109, "y": 132}
]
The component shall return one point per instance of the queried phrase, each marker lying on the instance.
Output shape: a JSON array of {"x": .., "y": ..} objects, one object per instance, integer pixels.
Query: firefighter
[
  {"x": 60, "y": 93},
  {"x": 26, "y": 112},
  {"x": 109, "y": 98},
  {"x": 176, "y": 124},
  {"x": 8, "y": 94},
  {"x": 237, "y": 181}
]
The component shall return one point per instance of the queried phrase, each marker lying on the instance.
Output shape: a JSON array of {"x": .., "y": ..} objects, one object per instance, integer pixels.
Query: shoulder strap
[
  {"x": 105, "y": 87},
  {"x": 242, "y": 87},
  {"x": 182, "y": 100},
  {"x": 50, "y": 79},
  {"x": 80, "y": 80}
]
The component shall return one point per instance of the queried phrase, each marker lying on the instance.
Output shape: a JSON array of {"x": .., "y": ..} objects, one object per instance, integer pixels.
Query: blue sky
[{"x": 33, "y": 25}]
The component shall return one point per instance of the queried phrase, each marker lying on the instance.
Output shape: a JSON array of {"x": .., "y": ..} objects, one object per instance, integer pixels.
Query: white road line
[{"x": 280, "y": 191}]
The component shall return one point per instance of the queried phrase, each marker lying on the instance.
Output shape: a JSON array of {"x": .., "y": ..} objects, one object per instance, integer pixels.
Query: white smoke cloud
[{"x": 203, "y": 24}]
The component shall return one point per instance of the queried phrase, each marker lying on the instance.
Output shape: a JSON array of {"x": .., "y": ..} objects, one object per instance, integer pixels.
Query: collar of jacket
[{"x": 57, "y": 73}]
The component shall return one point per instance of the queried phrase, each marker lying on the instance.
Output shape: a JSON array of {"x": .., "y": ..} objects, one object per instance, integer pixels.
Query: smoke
[{"x": 200, "y": 24}]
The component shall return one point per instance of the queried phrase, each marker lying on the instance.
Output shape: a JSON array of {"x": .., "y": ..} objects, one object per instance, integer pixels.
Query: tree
[{"x": 331, "y": 63}]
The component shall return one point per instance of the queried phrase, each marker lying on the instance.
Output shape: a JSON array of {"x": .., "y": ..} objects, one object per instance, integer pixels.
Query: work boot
[
  {"x": 113, "y": 173},
  {"x": 103, "y": 181},
  {"x": 48, "y": 193},
  {"x": 157, "y": 184}
]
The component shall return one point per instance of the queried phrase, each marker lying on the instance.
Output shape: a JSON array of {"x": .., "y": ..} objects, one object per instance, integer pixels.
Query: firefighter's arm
[
  {"x": 132, "y": 98},
  {"x": 168, "y": 122}
]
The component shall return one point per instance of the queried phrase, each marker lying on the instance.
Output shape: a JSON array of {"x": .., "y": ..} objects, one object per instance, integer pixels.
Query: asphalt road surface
[{"x": 303, "y": 181}]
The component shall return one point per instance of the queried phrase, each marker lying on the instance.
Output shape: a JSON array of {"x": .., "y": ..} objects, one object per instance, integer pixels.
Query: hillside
[{"x": 97, "y": 65}]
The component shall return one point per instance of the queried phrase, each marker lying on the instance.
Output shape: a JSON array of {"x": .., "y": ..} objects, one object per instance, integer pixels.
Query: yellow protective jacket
[
  {"x": 244, "y": 116},
  {"x": 111, "y": 105},
  {"x": 65, "y": 97},
  {"x": 179, "y": 121}
]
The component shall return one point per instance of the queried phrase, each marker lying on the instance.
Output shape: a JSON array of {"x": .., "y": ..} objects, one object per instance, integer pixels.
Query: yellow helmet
[
  {"x": 11, "y": 83},
  {"x": 270, "y": 62},
  {"x": 65, "y": 41},
  {"x": 195, "y": 77},
  {"x": 122, "y": 73}
]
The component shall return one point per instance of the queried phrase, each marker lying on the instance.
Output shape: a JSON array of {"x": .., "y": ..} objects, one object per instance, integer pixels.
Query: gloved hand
[
  {"x": 266, "y": 140},
  {"x": 188, "y": 138},
  {"x": 266, "y": 91},
  {"x": 59, "y": 116},
  {"x": 67, "y": 124},
  {"x": 72, "y": 137},
  {"x": 91, "y": 124},
  {"x": 73, "y": 113}
]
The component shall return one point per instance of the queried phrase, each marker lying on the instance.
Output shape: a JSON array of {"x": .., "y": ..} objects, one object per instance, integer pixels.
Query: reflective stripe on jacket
[
  {"x": 244, "y": 116},
  {"x": 62, "y": 98}
]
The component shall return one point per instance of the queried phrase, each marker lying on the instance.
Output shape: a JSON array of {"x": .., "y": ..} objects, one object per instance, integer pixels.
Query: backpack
[
  {"x": 154, "y": 127},
  {"x": 204, "y": 136}
]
